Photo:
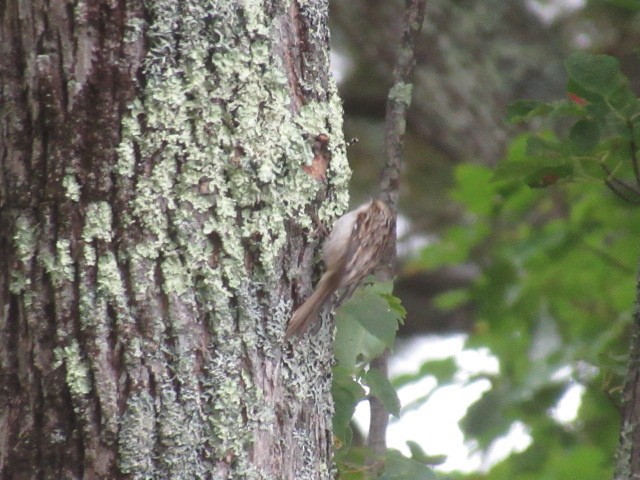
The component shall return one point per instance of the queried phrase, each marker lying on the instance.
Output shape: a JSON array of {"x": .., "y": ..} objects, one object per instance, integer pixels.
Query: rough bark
[
  {"x": 153, "y": 206},
  {"x": 628, "y": 454}
]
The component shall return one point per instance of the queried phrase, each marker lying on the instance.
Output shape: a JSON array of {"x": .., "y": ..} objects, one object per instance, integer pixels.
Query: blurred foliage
[
  {"x": 548, "y": 225},
  {"x": 475, "y": 58},
  {"x": 554, "y": 300}
]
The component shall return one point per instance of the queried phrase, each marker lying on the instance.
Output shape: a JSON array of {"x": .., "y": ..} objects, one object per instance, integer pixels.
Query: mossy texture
[{"x": 223, "y": 144}]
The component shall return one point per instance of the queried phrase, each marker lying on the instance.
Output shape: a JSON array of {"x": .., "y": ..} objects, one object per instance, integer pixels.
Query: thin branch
[
  {"x": 619, "y": 193},
  {"x": 398, "y": 103},
  {"x": 607, "y": 257},
  {"x": 634, "y": 154},
  {"x": 617, "y": 181},
  {"x": 378, "y": 417},
  {"x": 628, "y": 465},
  {"x": 621, "y": 188},
  {"x": 399, "y": 100}
]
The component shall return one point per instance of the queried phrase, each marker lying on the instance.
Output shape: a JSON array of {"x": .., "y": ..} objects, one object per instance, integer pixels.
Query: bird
[{"x": 352, "y": 251}]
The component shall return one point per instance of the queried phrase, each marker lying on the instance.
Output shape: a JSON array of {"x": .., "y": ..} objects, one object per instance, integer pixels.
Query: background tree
[
  {"x": 158, "y": 221},
  {"x": 545, "y": 279}
]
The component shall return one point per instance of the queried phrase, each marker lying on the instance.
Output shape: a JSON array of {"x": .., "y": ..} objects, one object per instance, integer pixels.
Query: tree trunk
[
  {"x": 628, "y": 454},
  {"x": 161, "y": 182}
]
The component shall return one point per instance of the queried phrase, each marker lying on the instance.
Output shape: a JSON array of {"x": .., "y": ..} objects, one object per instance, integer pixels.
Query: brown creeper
[{"x": 352, "y": 251}]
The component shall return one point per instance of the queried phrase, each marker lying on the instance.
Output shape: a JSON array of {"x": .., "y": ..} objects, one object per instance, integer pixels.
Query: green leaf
[
  {"x": 367, "y": 324},
  {"x": 517, "y": 149},
  {"x": 584, "y": 136},
  {"x": 526, "y": 109},
  {"x": 567, "y": 108},
  {"x": 368, "y": 308},
  {"x": 452, "y": 299},
  {"x": 474, "y": 188},
  {"x": 377, "y": 286},
  {"x": 510, "y": 171},
  {"x": 584, "y": 462},
  {"x": 399, "y": 467},
  {"x": 353, "y": 343},
  {"x": 631, "y": 5},
  {"x": 352, "y": 463},
  {"x": 443, "y": 369},
  {"x": 547, "y": 176},
  {"x": 419, "y": 455},
  {"x": 395, "y": 304},
  {"x": 382, "y": 388},
  {"x": 347, "y": 393},
  {"x": 485, "y": 419},
  {"x": 595, "y": 73},
  {"x": 540, "y": 146}
]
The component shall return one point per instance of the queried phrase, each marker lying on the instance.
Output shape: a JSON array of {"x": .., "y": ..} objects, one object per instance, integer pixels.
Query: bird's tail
[{"x": 308, "y": 311}]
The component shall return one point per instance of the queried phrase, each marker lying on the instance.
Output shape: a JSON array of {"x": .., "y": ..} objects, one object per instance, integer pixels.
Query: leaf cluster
[
  {"x": 554, "y": 231},
  {"x": 366, "y": 327},
  {"x": 596, "y": 132}
]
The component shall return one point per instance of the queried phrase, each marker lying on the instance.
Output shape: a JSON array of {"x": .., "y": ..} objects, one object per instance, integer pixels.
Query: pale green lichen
[
  {"x": 77, "y": 371},
  {"x": 66, "y": 268},
  {"x": 137, "y": 437},
  {"x": 98, "y": 226},
  {"x": 134, "y": 30},
  {"x": 131, "y": 130},
  {"x": 60, "y": 267},
  {"x": 98, "y": 222},
  {"x": 401, "y": 92},
  {"x": 215, "y": 124},
  {"x": 109, "y": 281},
  {"x": 25, "y": 238},
  {"x": 312, "y": 467},
  {"x": 25, "y": 242},
  {"x": 71, "y": 187},
  {"x": 176, "y": 277},
  {"x": 625, "y": 451},
  {"x": 180, "y": 430},
  {"x": 19, "y": 283}
]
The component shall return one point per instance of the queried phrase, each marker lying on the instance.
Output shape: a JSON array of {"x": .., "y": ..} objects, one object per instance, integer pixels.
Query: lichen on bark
[
  {"x": 161, "y": 229},
  {"x": 212, "y": 217}
]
